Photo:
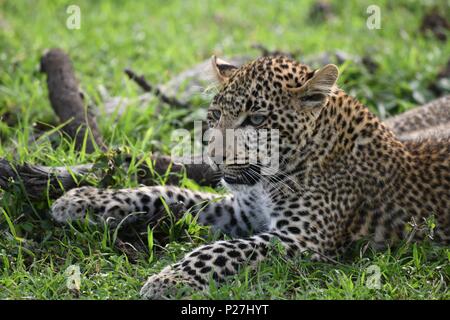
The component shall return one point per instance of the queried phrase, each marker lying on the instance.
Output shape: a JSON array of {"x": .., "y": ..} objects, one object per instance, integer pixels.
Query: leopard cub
[{"x": 342, "y": 176}]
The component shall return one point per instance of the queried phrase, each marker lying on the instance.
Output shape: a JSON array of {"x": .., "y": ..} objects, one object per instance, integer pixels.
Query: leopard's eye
[
  {"x": 257, "y": 119},
  {"x": 216, "y": 114}
]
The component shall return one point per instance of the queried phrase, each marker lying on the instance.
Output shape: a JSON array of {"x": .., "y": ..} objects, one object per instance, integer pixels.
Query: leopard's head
[{"x": 271, "y": 105}]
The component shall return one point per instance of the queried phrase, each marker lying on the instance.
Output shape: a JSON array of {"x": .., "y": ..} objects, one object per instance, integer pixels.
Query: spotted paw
[
  {"x": 169, "y": 283},
  {"x": 159, "y": 287}
]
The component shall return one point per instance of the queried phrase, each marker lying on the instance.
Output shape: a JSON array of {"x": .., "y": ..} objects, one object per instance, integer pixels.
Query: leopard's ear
[
  {"x": 320, "y": 85},
  {"x": 222, "y": 69}
]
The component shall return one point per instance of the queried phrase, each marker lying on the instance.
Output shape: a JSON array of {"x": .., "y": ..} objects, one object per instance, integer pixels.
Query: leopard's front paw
[
  {"x": 158, "y": 287},
  {"x": 167, "y": 284}
]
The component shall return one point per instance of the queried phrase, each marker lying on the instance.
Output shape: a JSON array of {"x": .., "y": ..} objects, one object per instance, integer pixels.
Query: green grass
[{"x": 161, "y": 39}]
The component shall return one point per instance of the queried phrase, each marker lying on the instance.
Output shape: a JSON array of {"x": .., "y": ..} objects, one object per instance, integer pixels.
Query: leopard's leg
[
  {"x": 222, "y": 212},
  {"x": 300, "y": 226},
  {"x": 215, "y": 262}
]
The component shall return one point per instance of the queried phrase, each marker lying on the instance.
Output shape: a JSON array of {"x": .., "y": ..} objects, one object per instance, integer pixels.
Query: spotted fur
[
  {"x": 433, "y": 117},
  {"x": 343, "y": 176}
]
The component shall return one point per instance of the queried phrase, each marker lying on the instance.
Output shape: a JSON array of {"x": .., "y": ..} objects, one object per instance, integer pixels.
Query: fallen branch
[
  {"x": 141, "y": 82},
  {"x": 201, "y": 173},
  {"x": 40, "y": 181},
  {"x": 36, "y": 180},
  {"x": 67, "y": 101}
]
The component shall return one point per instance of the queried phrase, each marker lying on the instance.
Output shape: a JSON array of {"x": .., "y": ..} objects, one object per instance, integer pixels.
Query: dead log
[
  {"x": 67, "y": 101},
  {"x": 38, "y": 182},
  {"x": 147, "y": 87}
]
